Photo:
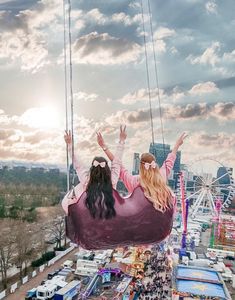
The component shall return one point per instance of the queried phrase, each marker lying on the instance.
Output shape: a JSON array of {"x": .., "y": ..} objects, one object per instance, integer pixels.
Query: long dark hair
[{"x": 100, "y": 201}]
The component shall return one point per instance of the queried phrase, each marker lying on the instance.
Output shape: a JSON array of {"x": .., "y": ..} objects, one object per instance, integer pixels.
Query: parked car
[
  {"x": 31, "y": 294},
  {"x": 68, "y": 264},
  {"x": 52, "y": 274}
]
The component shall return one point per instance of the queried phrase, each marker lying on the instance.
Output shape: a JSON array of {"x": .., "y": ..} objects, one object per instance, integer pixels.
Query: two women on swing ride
[{"x": 99, "y": 218}]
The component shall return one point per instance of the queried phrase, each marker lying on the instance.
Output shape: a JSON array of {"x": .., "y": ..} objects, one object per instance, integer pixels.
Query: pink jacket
[
  {"x": 132, "y": 181},
  {"x": 83, "y": 175}
]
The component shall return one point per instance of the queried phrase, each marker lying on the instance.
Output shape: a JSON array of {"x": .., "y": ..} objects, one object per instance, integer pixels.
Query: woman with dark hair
[{"x": 98, "y": 182}]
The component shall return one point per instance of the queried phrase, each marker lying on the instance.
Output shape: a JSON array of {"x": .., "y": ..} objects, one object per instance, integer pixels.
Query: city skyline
[{"x": 195, "y": 59}]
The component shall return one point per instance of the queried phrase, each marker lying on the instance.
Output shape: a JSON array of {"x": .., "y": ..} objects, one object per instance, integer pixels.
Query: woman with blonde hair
[{"x": 152, "y": 178}]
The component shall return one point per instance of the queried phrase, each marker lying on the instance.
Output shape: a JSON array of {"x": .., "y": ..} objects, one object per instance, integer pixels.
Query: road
[
  {"x": 205, "y": 242},
  {"x": 20, "y": 293}
]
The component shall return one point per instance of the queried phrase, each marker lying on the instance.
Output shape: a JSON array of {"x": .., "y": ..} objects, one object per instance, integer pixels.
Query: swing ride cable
[
  {"x": 147, "y": 72},
  {"x": 66, "y": 90},
  {"x": 156, "y": 76},
  {"x": 71, "y": 87}
]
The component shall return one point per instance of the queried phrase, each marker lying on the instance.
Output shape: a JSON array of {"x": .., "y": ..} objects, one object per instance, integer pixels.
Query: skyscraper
[
  {"x": 223, "y": 175},
  {"x": 161, "y": 151},
  {"x": 136, "y": 164}
]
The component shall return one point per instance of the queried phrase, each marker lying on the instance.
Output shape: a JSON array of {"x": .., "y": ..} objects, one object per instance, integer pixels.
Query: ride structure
[
  {"x": 121, "y": 230},
  {"x": 185, "y": 207},
  {"x": 131, "y": 212},
  {"x": 205, "y": 188},
  {"x": 223, "y": 235}
]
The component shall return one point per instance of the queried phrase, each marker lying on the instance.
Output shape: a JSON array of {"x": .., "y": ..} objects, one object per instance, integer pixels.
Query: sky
[{"x": 195, "y": 56}]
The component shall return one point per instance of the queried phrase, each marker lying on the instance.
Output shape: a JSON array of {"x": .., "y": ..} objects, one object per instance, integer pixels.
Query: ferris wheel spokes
[
  {"x": 207, "y": 188},
  {"x": 190, "y": 196},
  {"x": 193, "y": 187},
  {"x": 226, "y": 174}
]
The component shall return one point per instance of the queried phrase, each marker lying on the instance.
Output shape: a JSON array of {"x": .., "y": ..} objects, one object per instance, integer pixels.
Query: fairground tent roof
[{"x": 195, "y": 282}]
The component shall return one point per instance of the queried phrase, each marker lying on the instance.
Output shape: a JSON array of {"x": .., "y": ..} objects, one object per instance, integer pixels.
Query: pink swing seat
[{"x": 136, "y": 223}]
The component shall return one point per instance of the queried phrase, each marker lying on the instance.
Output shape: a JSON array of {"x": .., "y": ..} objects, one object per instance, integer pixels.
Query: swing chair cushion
[{"x": 136, "y": 223}]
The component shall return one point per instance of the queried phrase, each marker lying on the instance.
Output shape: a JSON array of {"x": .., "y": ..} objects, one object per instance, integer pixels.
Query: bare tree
[
  {"x": 24, "y": 246},
  {"x": 42, "y": 245},
  {"x": 57, "y": 231},
  {"x": 6, "y": 249}
]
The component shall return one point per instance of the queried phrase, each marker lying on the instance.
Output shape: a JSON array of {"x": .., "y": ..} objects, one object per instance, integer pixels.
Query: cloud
[
  {"x": 220, "y": 62},
  {"x": 163, "y": 32},
  {"x": 35, "y": 137},
  {"x": 160, "y": 35},
  {"x": 209, "y": 56},
  {"x": 24, "y": 48},
  {"x": 204, "y": 88},
  {"x": 174, "y": 94},
  {"x": 45, "y": 13},
  {"x": 95, "y": 17},
  {"x": 141, "y": 95},
  {"x": 134, "y": 5},
  {"x": 218, "y": 140},
  {"x": 225, "y": 111},
  {"x": 211, "y": 7},
  {"x": 229, "y": 56},
  {"x": 103, "y": 49},
  {"x": 6, "y": 133},
  {"x": 83, "y": 96},
  {"x": 23, "y": 36},
  {"x": 24, "y": 154},
  {"x": 221, "y": 111},
  {"x": 177, "y": 94},
  {"x": 219, "y": 146},
  {"x": 127, "y": 20}
]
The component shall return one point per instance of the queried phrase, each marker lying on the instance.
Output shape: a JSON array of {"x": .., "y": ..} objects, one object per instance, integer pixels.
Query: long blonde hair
[{"x": 154, "y": 185}]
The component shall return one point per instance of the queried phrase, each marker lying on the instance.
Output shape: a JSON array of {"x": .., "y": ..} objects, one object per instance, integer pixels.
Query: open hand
[
  {"x": 68, "y": 137},
  {"x": 100, "y": 140},
  {"x": 181, "y": 139},
  {"x": 123, "y": 134}
]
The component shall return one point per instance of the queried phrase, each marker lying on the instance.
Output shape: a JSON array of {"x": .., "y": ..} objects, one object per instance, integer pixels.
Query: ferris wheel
[{"x": 206, "y": 181}]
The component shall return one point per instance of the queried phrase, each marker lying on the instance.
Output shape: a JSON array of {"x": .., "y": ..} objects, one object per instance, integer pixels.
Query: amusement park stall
[{"x": 198, "y": 283}]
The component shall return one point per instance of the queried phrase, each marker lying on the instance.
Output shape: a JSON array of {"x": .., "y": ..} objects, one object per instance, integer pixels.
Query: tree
[
  {"x": 2, "y": 207},
  {"x": 24, "y": 245},
  {"x": 6, "y": 249},
  {"x": 42, "y": 245},
  {"x": 57, "y": 231}
]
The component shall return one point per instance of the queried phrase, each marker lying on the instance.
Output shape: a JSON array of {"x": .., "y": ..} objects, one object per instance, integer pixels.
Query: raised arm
[
  {"x": 119, "y": 150},
  {"x": 170, "y": 160},
  {"x": 179, "y": 142},
  {"x": 130, "y": 181},
  {"x": 100, "y": 141},
  {"x": 116, "y": 158},
  {"x": 80, "y": 169}
]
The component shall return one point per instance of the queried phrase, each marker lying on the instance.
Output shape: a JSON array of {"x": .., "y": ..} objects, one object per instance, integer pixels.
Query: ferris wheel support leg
[
  {"x": 198, "y": 199},
  {"x": 211, "y": 205},
  {"x": 210, "y": 197},
  {"x": 198, "y": 202}
]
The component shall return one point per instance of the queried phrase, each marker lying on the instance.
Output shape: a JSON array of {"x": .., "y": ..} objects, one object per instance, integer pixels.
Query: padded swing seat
[{"x": 136, "y": 223}]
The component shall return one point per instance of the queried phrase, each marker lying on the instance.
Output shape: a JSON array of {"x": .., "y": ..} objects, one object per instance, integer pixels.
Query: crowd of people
[{"x": 156, "y": 284}]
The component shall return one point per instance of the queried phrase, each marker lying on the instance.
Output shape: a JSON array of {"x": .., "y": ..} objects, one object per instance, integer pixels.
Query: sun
[{"x": 41, "y": 117}]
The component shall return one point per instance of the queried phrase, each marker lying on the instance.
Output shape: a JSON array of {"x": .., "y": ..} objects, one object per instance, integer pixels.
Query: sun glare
[{"x": 41, "y": 117}]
